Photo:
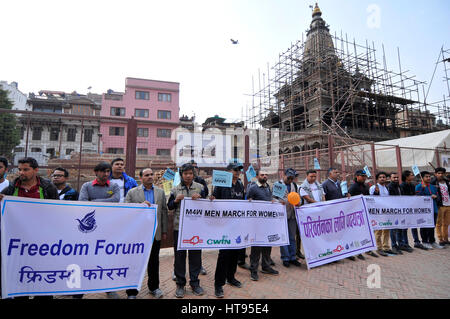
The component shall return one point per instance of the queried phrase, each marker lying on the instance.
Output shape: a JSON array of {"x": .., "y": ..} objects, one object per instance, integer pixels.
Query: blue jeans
[
  {"x": 402, "y": 237},
  {"x": 288, "y": 252},
  {"x": 394, "y": 237},
  {"x": 415, "y": 234}
]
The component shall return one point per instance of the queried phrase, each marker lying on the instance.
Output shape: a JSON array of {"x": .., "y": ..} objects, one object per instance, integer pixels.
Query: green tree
[{"x": 9, "y": 132}]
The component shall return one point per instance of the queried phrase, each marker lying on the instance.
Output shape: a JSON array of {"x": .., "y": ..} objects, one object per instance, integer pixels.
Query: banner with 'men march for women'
[
  {"x": 64, "y": 248},
  {"x": 231, "y": 224},
  {"x": 400, "y": 212},
  {"x": 334, "y": 230}
]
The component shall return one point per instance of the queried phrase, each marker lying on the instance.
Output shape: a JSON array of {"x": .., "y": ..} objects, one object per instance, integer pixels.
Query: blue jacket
[
  {"x": 129, "y": 182},
  {"x": 425, "y": 191}
]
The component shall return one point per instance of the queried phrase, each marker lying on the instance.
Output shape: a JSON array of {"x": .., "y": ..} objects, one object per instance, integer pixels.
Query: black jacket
[
  {"x": 436, "y": 183},
  {"x": 394, "y": 189},
  {"x": 69, "y": 193},
  {"x": 236, "y": 191},
  {"x": 49, "y": 190},
  {"x": 359, "y": 189},
  {"x": 408, "y": 189}
]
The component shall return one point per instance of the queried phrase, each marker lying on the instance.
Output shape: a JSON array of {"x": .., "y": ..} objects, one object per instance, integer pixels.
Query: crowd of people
[{"x": 112, "y": 184}]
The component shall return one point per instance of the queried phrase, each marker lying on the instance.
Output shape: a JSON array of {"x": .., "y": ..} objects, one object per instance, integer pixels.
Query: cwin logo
[{"x": 223, "y": 241}]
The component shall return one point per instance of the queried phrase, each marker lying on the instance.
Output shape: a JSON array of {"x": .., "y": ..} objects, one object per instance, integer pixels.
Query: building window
[
  {"x": 162, "y": 132},
  {"x": 162, "y": 152},
  {"x": 54, "y": 134},
  {"x": 142, "y": 151},
  {"x": 81, "y": 109},
  {"x": 164, "y": 97},
  {"x": 112, "y": 150},
  {"x": 71, "y": 134},
  {"x": 116, "y": 131},
  {"x": 117, "y": 111},
  {"x": 36, "y": 150},
  {"x": 19, "y": 150},
  {"x": 88, "y": 135},
  {"x": 22, "y": 132},
  {"x": 142, "y": 132},
  {"x": 164, "y": 115},
  {"x": 37, "y": 134},
  {"x": 140, "y": 113},
  {"x": 142, "y": 95},
  {"x": 69, "y": 151}
]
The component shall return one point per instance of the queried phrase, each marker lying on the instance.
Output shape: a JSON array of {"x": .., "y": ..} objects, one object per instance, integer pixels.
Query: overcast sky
[{"x": 71, "y": 45}]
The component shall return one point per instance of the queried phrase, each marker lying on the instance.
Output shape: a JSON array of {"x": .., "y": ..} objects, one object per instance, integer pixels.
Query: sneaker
[
  {"x": 270, "y": 271},
  {"x": 382, "y": 253},
  {"x": 218, "y": 292},
  {"x": 390, "y": 252},
  {"x": 420, "y": 246},
  {"x": 112, "y": 295},
  {"x": 244, "y": 266},
  {"x": 352, "y": 258},
  {"x": 174, "y": 278},
  {"x": 286, "y": 263},
  {"x": 427, "y": 245},
  {"x": 371, "y": 253},
  {"x": 203, "y": 271},
  {"x": 198, "y": 291},
  {"x": 179, "y": 292},
  {"x": 437, "y": 246},
  {"x": 442, "y": 243},
  {"x": 396, "y": 251},
  {"x": 131, "y": 297},
  {"x": 157, "y": 293},
  {"x": 360, "y": 256},
  {"x": 254, "y": 276},
  {"x": 295, "y": 263},
  {"x": 235, "y": 283}
]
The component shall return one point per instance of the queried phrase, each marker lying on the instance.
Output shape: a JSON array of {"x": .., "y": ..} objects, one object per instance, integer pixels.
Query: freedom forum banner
[
  {"x": 64, "y": 247},
  {"x": 334, "y": 230},
  {"x": 400, "y": 212},
  {"x": 232, "y": 224}
]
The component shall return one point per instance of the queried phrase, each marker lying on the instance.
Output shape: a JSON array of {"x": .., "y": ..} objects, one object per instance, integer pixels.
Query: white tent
[{"x": 417, "y": 150}]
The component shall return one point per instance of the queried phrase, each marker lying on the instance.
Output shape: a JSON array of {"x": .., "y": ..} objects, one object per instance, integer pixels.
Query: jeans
[
  {"x": 415, "y": 234},
  {"x": 152, "y": 270},
  {"x": 402, "y": 238},
  {"x": 288, "y": 252},
  {"x": 195, "y": 264},
  {"x": 395, "y": 237}
]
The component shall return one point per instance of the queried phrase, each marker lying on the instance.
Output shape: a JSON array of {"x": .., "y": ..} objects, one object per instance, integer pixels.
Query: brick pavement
[{"x": 420, "y": 274}]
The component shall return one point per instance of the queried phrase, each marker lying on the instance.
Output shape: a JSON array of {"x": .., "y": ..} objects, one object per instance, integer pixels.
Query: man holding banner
[
  {"x": 288, "y": 252},
  {"x": 382, "y": 236},
  {"x": 30, "y": 185},
  {"x": 260, "y": 191},
  {"x": 187, "y": 188},
  {"x": 442, "y": 222},
  {"x": 228, "y": 258},
  {"x": 150, "y": 194}
]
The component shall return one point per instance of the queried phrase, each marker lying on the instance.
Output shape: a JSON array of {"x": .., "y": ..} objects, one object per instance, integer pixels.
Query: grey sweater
[{"x": 96, "y": 193}]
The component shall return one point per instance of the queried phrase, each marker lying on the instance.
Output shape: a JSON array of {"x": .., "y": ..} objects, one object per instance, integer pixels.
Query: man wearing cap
[
  {"x": 288, "y": 252},
  {"x": 228, "y": 258},
  {"x": 359, "y": 187}
]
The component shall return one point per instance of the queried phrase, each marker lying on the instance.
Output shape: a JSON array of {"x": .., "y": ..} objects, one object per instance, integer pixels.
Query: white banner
[
  {"x": 64, "y": 247},
  {"x": 231, "y": 224},
  {"x": 334, "y": 230},
  {"x": 400, "y": 212}
]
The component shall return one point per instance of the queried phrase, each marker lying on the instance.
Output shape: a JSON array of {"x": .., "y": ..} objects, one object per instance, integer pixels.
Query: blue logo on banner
[
  {"x": 87, "y": 224},
  {"x": 238, "y": 240}
]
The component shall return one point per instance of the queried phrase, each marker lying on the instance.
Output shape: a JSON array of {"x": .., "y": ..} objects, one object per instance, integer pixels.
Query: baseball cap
[
  {"x": 360, "y": 173},
  {"x": 290, "y": 172},
  {"x": 234, "y": 166}
]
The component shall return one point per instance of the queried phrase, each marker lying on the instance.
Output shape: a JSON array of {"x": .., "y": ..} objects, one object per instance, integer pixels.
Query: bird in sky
[{"x": 234, "y": 41}]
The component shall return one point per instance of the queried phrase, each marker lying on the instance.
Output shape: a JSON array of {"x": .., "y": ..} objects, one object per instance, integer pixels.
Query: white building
[{"x": 18, "y": 98}]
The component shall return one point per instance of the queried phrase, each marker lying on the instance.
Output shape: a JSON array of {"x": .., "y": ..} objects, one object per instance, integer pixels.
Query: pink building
[{"x": 154, "y": 104}]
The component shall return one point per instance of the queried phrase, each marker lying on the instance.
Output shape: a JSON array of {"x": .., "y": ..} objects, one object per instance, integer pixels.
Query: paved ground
[{"x": 420, "y": 274}]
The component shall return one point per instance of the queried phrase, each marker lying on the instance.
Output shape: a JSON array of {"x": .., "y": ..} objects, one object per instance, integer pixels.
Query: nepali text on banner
[
  {"x": 65, "y": 247},
  {"x": 231, "y": 224},
  {"x": 334, "y": 230},
  {"x": 400, "y": 212}
]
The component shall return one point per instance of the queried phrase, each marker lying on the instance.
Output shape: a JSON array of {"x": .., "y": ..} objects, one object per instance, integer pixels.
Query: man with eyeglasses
[{"x": 59, "y": 179}]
